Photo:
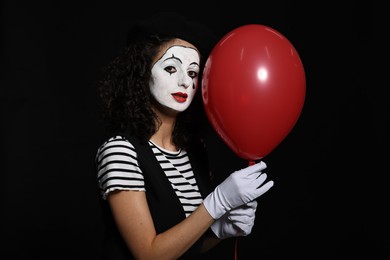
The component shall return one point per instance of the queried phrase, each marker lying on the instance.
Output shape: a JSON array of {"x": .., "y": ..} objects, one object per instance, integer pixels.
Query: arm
[{"x": 133, "y": 219}]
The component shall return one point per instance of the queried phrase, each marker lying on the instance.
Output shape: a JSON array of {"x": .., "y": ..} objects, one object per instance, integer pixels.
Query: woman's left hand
[{"x": 236, "y": 222}]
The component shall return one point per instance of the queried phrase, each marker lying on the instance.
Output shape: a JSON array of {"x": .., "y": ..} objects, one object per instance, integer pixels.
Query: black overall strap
[{"x": 164, "y": 205}]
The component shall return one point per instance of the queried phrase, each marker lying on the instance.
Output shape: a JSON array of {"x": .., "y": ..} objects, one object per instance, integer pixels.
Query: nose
[{"x": 185, "y": 80}]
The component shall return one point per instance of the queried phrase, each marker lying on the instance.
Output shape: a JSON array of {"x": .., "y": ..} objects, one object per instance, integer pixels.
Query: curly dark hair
[{"x": 126, "y": 98}]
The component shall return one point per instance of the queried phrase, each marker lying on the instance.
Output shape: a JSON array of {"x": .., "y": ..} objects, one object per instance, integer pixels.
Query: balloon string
[{"x": 236, "y": 240}]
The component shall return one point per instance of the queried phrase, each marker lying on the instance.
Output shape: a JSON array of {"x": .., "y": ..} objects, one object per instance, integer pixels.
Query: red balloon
[{"x": 253, "y": 89}]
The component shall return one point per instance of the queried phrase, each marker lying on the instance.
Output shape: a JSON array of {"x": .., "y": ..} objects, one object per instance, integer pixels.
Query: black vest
[{"x": 164, "y": 205}]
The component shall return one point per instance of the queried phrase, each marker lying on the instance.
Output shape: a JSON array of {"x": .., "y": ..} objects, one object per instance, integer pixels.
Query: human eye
[
  {"x": 192, "y": 74},
  {"x": 170, "y": 69}
]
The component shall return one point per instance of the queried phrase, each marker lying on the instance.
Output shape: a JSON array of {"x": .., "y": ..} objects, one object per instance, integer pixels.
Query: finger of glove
[
  {"x": 260, "y": 166},
  {"x": 252, "y": 169},
  {"x": 243, "y": 229},
  {"x": 249, "y": 188},
  {"x": 260, "y": 179},
  {"x": 223, "y": 229},
  {"x": 252, "y": 204},
  {"x": 240, "y": 184},
  {"x": 242, "y": 219},
  {"x": 235, "y": 192},
  {"x": 229, "y": 229},
  {"x": 251, "y": 182},
  {"x": 247, "y": 182},
  {"x": 248, "y": 209},
  {"x": 241, "y": 214},
  {"x": 264, "y": 188},
  {"x": 247, "y": 176}
]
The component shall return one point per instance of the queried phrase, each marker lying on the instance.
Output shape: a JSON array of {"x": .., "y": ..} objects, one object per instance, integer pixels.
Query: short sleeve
[{"x": 117, "y": 167}]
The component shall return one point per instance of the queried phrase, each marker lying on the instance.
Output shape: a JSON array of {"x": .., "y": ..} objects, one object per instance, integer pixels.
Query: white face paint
[{"x": 175, "y": 77}]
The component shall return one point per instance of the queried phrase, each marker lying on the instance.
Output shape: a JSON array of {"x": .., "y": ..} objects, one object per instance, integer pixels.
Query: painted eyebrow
[
  {"x": 173, "y": 57},
  {"x": 176, "y": 58}
]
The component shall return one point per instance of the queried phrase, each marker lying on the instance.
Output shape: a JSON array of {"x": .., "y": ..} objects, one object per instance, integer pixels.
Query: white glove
[
  {"x": 237, "y": 189},
  {"x": 237, "y": 222}
]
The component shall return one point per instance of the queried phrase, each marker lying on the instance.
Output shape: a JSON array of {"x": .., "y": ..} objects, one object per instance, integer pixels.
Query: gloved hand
[
  {"x": 237, "y": 189},
  {"x": 237, "y": 222}
]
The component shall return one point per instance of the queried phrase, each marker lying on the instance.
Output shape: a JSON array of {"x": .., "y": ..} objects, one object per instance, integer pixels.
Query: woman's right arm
[{"x": 134, "y": 221}]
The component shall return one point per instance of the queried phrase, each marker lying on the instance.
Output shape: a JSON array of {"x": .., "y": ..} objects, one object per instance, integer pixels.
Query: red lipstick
[{"x": 180, "y": 97}]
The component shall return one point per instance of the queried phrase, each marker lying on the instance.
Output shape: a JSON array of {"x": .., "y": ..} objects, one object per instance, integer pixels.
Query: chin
[{"x": 169, "y": 111}]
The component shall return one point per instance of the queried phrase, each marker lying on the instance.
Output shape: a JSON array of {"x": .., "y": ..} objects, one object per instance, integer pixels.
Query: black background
[{"x": 329, "y": 200}]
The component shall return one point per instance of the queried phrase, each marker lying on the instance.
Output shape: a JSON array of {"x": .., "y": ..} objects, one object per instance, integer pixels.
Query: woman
[{"x": 152, "y": 170}]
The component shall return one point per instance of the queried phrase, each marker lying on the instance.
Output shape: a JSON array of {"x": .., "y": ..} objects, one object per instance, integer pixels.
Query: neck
[{"x": 163, "y": 136}]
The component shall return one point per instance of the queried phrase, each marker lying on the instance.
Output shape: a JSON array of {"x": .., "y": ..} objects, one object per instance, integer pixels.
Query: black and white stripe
[
  {"x": 178, "y": 169},
  {"x": 118, "y": 169}
]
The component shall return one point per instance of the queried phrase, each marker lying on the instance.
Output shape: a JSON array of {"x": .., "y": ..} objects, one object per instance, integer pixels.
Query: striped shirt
[{"x": 118, "y": 169}]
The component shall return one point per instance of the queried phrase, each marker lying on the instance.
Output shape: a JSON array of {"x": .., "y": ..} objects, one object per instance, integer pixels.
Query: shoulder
[{"x": 116, "y": 143}]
